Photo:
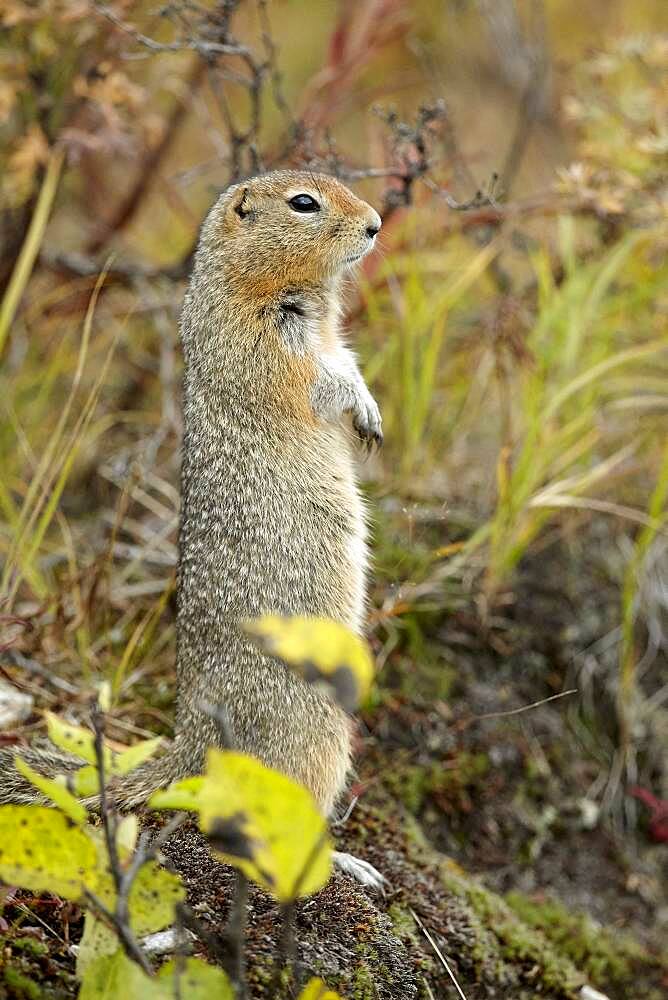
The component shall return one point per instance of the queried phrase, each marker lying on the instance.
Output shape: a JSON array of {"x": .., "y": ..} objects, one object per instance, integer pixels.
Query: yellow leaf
[
  {"x": 42, "y": 851},
  {"x": 126, "y": 834},
  {"x": 54, "y": 790},
  {"x": 81, "y": 743},
  {"x": 315, "y": 989},
  {"x": 127, "y": 760},
  {"x": 85, "y": 781},
  {"x": 74, "y": 739},
  {"x": 116, "y": 977},
  {"x": 98, "y": 940},
  {"x": 104, "y": 696},
  {"x": 264, "y": 824},
  {"x": 153, "y": 897},
  {"x": 199, "y": 981},
  {"x": 321, "y": 650},
  {"x": 154, "y": 894},
  {"x": 183, "y": 794}
]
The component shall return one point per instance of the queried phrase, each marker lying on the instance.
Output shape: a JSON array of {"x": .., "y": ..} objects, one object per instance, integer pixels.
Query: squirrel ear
[{"x": 240, "y": 204}]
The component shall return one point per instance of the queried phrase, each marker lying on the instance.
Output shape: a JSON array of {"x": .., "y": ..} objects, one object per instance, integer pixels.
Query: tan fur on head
[{"x": 271, "y": 245}]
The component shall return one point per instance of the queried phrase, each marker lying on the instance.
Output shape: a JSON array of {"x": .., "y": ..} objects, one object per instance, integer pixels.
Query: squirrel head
[{"x": 288, "y": 228}]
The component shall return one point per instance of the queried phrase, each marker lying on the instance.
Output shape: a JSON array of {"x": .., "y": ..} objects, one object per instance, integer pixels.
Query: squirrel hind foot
[{"x": 361, "y": 871}]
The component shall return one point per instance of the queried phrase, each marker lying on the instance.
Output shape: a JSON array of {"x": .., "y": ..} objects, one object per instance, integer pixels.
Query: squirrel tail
[
  {"x": 128, "y": 792},
  {"x": 17, "y": 790}
]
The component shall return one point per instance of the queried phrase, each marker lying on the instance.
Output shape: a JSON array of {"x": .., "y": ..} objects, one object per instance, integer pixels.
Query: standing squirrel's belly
[
  {"x": 276, "y": 530},
  {"x": 269, "y": 528}
]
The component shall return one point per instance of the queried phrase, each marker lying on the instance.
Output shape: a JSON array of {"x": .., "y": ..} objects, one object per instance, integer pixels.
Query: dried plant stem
[
  {"x": 235, "y": 934},
  {"x": 31, "y": 244},
  {"x": 124, "y": 877}
]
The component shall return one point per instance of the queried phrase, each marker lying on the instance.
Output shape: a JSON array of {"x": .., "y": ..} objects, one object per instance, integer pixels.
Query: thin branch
[
  {"x": 439, "y": 953},
  {"x": 220, "y": 715},
  {"x": 130, "y": 944},
  {"x": 206, "y": 49},
  {"x": 129, "y": 206},
  {"x": 235, "y": 932},
  {"x": 123, "y": 877},
  {"x": 524, "y": 708},
  {"x": 214, "y": 943},
  {"x": 106, "y": 814}
]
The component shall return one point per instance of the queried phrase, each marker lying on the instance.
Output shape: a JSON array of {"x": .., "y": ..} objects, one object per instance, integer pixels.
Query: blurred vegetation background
[{"x": 513, "y": 326}]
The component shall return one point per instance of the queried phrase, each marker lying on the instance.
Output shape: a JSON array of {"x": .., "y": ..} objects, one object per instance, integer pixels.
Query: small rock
[
  {"x": 589, "y": 813},
  {"x": 588, "y": 993},
  {"x": 163, "y": 942},
  {"x": 15, "y": 705}
]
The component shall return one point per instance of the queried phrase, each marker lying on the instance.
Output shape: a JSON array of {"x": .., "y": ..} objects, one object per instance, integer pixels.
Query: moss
[
  {"x": 30, "y": 945},
  {"x": 604, "y": 956},
  {"x": 364, "y": 987},
  {"x": 19, "y": 985},
  {"x": 450, "y": 786},
  {"x": 402, "y": 923},
  {"x": 405, "y": 928},
  {"x": 503, "y": 938},
  {"x": 409, "y": 784}
]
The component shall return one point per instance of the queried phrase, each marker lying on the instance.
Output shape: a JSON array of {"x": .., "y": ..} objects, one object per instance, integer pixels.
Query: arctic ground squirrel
[{"x": 272, "y": 520}]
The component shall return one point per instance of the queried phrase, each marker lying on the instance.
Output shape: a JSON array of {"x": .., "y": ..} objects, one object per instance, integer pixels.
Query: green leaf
[
  {"x": 154, "y": 894},
  {"x": 116, "y": 977},
  {"x": 128, "y": 759},
  {"x": 126, "y": 834},
  {"x": 199, "y": 981},
  {"x": 98, "y": 941},
  {"x": 74, "y": 739},
  {"x": 55, "y": 791},
  {"x": 315, "y": 989},
  {"x": 86, "y": 781},
  {"x": 183, "y": 794},
  {"x": 322, "y": 651},
  {"x": 104, "y": 696},
  {"x": 42, "y": 851},
  {"x": 153, "y": 897},
  {"x": 81, "y": 743},
  {"x": 265, "y": 824}
]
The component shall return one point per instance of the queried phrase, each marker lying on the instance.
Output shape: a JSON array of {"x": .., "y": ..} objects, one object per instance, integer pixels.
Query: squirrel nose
[{"x": 372, "y": 231}]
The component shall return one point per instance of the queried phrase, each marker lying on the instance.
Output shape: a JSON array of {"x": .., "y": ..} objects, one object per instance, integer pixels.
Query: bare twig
[
  {"x": 220, "y": 715},
  {"x": 439, "y": 953},
  {"x": 524, "y": 708},
  {"x": 214, "y": 943},
  {"x": 235, "y": 932},
  {"x": 130, "y": 204},
  {"x": 130, "y": 944},
  {"x": 123, "y": 876},
  {"x": 193, "y": 44},
  {"x": 107, "y": 814},
  {"x": 532, "y": 103}
]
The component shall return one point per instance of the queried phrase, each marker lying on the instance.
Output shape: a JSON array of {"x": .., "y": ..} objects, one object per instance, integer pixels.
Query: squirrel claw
[
  {"x": 367, "y": 425},
  {"x": 361, "y": 871},
  {"x": 368, "y": 437}
]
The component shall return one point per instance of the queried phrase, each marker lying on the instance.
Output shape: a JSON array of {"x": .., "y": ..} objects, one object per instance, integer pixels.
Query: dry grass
[{"x": 517, "y": 349}]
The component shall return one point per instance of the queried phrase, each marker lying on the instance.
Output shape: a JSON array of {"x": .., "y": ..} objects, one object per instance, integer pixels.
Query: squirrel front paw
[
  {"x": 334, "y": 394},
  {"x": 367, "y": 420}
]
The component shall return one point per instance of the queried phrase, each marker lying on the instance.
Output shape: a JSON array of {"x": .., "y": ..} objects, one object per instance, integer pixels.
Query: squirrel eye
[{"x": 304, "y": 203}]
